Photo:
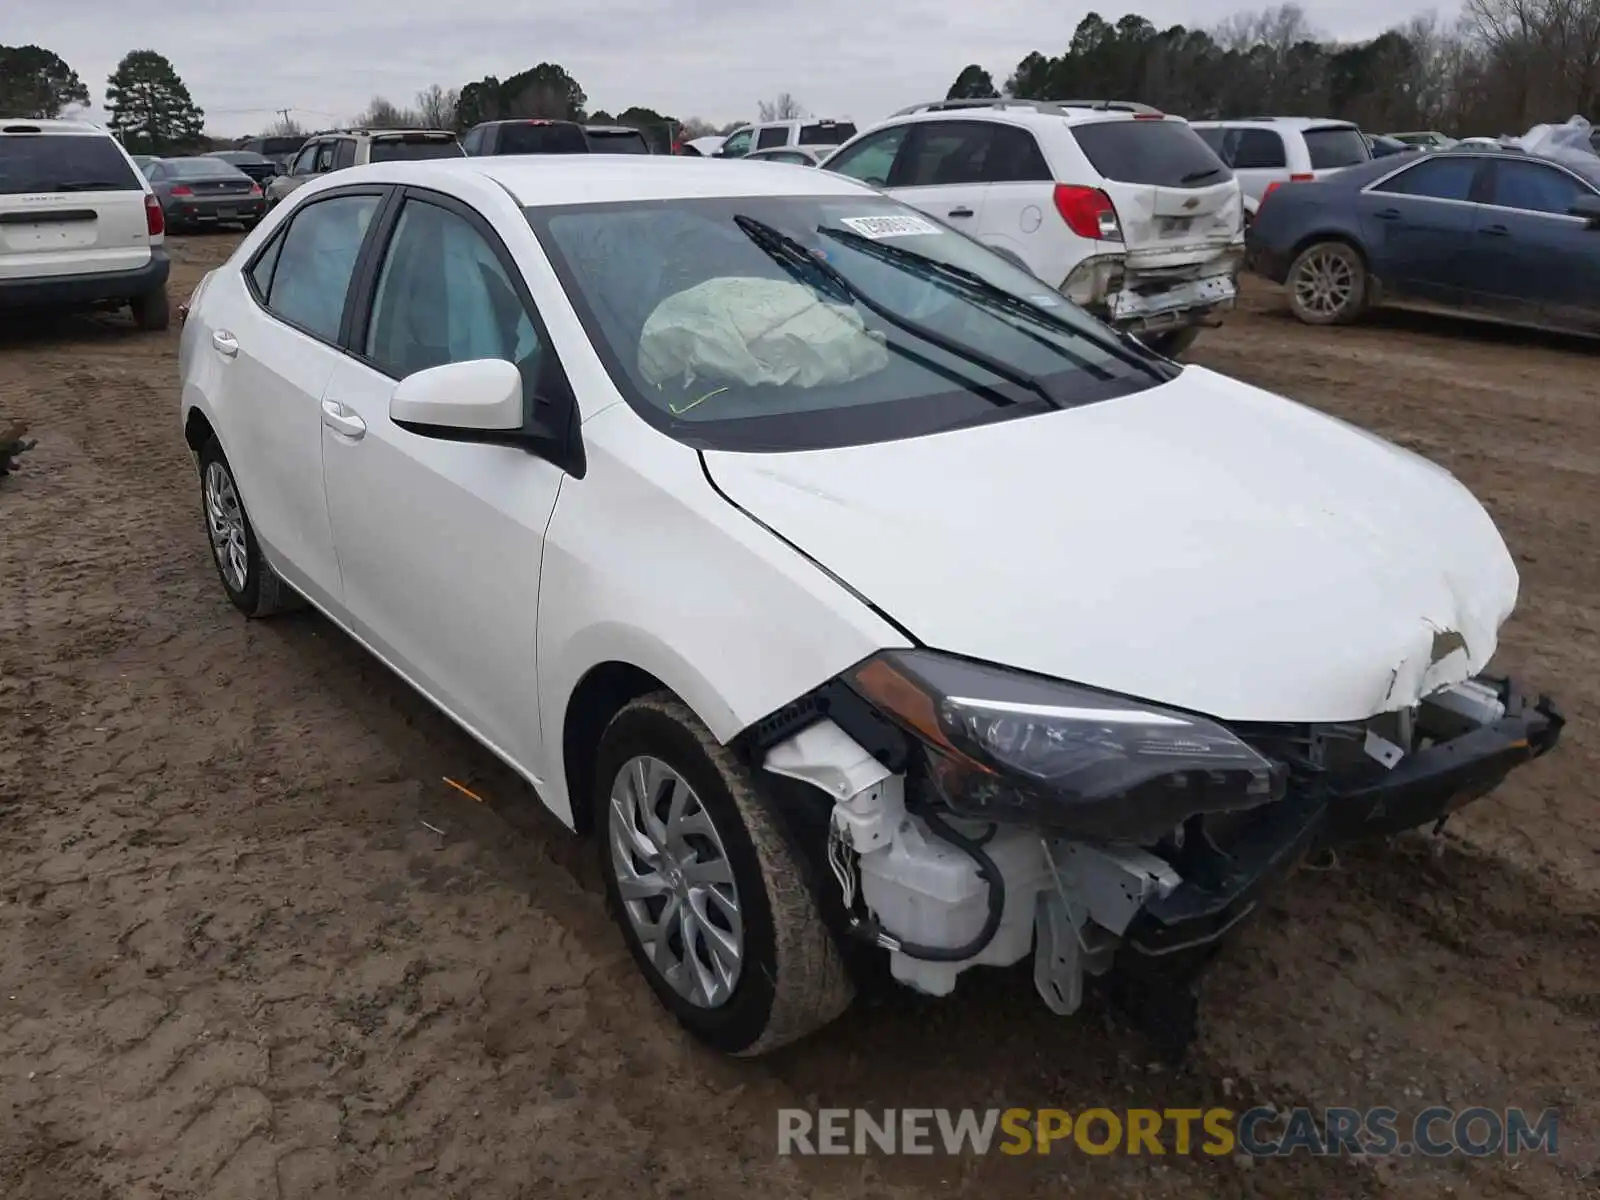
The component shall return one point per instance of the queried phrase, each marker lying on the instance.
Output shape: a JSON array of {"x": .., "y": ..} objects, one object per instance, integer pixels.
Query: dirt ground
[{"x": 237, "y": 962}]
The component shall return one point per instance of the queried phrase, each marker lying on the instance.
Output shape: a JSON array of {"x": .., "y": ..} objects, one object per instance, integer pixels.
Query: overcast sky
[{"x": 709, "y": 58}]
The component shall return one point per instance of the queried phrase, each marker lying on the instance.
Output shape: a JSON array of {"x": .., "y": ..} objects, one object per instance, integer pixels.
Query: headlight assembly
[{"x": 1007, "y": 746}]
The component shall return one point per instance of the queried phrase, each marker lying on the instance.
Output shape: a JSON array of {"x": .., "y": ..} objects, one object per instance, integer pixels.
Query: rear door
[
  {"x": 941, "y": 171},
  {"x": 1177, "y": 202},
  {"x": 70, "y": 204},
  {"x": 1417, "y": 225},
  {"x": 1019, "y": 195},
  {"x": 1531, "y": 259}
]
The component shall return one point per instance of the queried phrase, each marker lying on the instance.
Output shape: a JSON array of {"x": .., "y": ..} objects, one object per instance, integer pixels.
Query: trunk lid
[{"x": 70, "y": 204}]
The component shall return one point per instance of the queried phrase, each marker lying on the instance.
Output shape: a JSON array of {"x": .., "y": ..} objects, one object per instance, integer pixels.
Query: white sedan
[{"x": 869, "y": 601}]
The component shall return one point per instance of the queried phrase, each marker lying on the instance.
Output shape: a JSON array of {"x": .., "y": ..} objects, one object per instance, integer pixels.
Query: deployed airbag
[{"x": 756, "y": 331}]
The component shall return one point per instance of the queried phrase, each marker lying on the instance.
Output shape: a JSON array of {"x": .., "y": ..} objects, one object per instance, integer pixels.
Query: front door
[
  {"x": 1419, "y": 228},
  {"x": 440, "y": 542},
  {"x": 1533, "y": 260}
]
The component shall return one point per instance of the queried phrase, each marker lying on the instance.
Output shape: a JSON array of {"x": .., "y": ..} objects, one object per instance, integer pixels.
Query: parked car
[
  {"x": 280, "y": 148},
  {"x": 800, "y": 156},
  {"x": 717, "y": 620},
  {"x": 204, "y": 191},
  {"x": 542, "y": 135},
  {"x": 1383, "y": 147},
  {"x": 1513, "y": 237},
  {"x": 258, "y": 166},
  {"x": 344, "y": 148},
  {"x": 1128, "y": 213},
  {"x": 80, "y": 226},
  {"x": 1270, "y": 150},
  {"x": 1427, "y": 139},
  {"x": 773, "y": 135}
]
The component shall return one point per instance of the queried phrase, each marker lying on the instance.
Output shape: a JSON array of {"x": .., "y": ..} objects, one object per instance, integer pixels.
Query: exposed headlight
[{"x": 1006, "y": 746}]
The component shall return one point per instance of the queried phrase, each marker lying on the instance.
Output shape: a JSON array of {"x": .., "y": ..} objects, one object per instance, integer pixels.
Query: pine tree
[{"x": 150, "y": 108}]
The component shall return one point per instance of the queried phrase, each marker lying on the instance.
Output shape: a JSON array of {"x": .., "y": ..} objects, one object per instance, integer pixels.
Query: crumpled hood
[{"x": 1204, "y": 543}]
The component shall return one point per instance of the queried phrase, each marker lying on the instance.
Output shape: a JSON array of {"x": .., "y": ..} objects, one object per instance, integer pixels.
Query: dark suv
[{"x": 545, "y": 136}]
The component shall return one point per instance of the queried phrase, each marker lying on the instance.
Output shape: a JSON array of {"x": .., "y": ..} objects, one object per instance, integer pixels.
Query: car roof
[
  {"x": 1014, "y": 111},
  {"x": 1301, "y": 123},
  {"x": 549, "y": 180},
  {"x": 28, "y": 124}
]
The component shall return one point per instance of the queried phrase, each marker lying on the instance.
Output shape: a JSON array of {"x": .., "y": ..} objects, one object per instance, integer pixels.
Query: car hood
[{"x": 1204, "y": 543}]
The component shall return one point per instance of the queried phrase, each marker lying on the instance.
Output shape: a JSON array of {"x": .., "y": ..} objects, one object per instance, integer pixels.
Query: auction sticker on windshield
[{"x": 888, "y": 227}]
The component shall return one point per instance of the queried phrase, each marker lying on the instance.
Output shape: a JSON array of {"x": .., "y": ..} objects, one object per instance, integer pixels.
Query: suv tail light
[
  {"x": 1088, "y": 212},
  {"x": 155, "y": 221},
  {"x": 1297, "y": 177}
]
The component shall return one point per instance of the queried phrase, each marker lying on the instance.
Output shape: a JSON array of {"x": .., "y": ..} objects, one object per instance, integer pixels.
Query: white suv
[
  {"x": 79, "y": 224},
  {"x": 1121, "y": 207},
  {"x": 1267, "y": 151},
  {"x": 774, "y": 135}
]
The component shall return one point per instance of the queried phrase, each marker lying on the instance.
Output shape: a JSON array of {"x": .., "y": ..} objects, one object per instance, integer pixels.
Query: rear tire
[
  {"x": 254, "y": 588},
  {"x": 151, "y": 311},
  {"x": 788, "y": 978},
  {"x": 1171, "y": 342},
  {"x": 1328, "y": 284}
]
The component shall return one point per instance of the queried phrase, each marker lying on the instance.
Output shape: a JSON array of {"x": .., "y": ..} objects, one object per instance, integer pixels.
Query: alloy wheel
[
  {"x": 1325, "y": 283},
  {"x": 225, "y": 524},
  {"x": 675, "y": 882}
]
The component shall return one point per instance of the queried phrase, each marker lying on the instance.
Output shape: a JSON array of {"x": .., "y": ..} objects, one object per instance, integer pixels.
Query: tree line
[
  {"x": 148, "y": 106},
  {"x": 1502, "y": 67}
]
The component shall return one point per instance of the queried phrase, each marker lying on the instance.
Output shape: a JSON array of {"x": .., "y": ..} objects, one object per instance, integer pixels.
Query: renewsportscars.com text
[{"x": 1436, "y": 1132}]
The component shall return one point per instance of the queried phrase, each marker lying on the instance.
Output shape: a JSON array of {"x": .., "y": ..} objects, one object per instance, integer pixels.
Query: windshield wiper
[
  {"x": 949, "y": 273},
  {"x": 1197, "y": 176},
  {"x": 800, "y": 262}
]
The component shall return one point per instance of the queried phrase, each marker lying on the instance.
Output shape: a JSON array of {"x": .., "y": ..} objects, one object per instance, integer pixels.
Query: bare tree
[
  {"x": 784, "y": 107},
  {"x": 285, "y": 126},
  {"x": 384, "y": 114},
  {"x": 436, "y": 107}
]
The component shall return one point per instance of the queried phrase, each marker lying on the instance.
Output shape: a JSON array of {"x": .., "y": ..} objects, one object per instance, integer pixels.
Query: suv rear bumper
[{"x": 76, "y": 291}]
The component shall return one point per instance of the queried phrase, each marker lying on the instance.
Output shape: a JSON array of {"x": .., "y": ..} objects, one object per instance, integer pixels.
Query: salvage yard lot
[{"x": 252, "y": 945}]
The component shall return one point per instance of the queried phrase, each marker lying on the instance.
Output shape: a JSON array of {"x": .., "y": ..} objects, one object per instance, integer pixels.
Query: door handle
[
  {"x": 1495, "y": 230},
  {"x": 960, "y": 212},
  {"x": 1387, "y": 214},
  {"x": 225, "y": 344},
  {"x": 342, "y": 421}
]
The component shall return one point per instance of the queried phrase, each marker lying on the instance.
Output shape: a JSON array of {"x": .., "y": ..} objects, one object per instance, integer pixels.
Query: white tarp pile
[
  {"x": 1569, "y": 140},
  {"x": 756, "y": 331}
]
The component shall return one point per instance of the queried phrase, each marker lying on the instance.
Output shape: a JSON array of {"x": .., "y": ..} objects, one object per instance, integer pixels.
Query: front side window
[
  {"x": 304, "y": 162},
  {"x": 324, "y": 159},
  {"x": 1434, "y": 179},
  {"x": 872, "y": 158},
  {"x": 1533, "y": 187},
  {"x": 781, "y": 323},
  {"x": 318, "y": 256},
  {"x": 737, "y": 145},
  {"x": 443, "y": 296}
]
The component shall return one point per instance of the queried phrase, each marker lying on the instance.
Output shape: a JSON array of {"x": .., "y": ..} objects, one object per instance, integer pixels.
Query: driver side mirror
[
  {"x": 1587, "y": 207},
  {"x": 463, "y": 400}
]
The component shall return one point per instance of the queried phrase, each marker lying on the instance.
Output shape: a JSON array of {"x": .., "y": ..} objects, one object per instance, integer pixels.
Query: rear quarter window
[
  {"x": 49, "y": 162},
  {"x": 1336, "y": 146},
  {"x": 1162, "y": 153}
]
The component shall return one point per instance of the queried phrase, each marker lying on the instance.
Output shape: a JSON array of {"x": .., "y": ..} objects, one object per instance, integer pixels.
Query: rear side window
[
  {"x": 773, "y": 135},
  {"x": 617, "y": 141},
  {"x": 1161, "y": 153},
  {"x": 1014, "y": 157},
  {"x": 542, "y": 137},
  {"x": 1256, "y": 149},
  {"x": 827, "y": 133},
  {"x": 947, "y": 152},
  {"x": 410, "y": 147},
  {"x": 315, "y": 261},
  {"x": 1435, "y": 178},
  {"x": 344, "y": 155},
  {"x": 1336, "y": 146},
  {"x": 63, "y": 162}
]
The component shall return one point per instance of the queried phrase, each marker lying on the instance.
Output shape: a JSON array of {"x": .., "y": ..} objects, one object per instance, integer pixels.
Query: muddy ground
[{"x": 236, "y": 961}]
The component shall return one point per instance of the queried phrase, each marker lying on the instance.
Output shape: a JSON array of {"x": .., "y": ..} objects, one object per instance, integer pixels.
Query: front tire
[
  {"x": 713, "y": 903},
  {"x": 1327, "y": 284},
  {"x": 252, "y": 585}
]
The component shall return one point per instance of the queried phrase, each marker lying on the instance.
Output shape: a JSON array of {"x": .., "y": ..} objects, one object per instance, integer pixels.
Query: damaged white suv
[{"x": 873, "y": 605}]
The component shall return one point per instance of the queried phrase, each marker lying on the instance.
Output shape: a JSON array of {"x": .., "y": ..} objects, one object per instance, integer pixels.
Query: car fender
[{"x": 646, "y": 564}]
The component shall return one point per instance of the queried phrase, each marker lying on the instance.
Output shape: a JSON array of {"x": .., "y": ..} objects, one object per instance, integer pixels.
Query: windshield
[
  {"x": 617, "y": 141},
  {"x": 411, "y": 146},
  {"x": 787, "y": 323},
  {"x": 542, "y": 137},
  {"x": 57, "y": 162},
  {"x": 1336, "y": 146}
]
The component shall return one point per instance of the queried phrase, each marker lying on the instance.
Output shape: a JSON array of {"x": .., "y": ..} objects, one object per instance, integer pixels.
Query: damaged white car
[{"x": 872, "y": 604}]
